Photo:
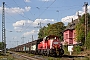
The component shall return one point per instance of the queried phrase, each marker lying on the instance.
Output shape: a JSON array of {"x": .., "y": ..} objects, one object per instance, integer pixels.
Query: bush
[
  {"x": 77, "y": 49},
  {"x": 65, "y": 47}
]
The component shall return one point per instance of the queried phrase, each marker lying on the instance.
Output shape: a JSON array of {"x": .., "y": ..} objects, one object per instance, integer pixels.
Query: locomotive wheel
[
  {"x": 61, "y": 52},
  {"x": 39, "y": 52},
  {"x": 45, "y": 53},
  {"x": 48, "y": 52}
]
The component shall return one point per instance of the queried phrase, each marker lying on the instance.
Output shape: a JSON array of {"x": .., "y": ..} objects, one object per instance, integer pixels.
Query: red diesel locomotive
[{"x": 50, "y": 45}]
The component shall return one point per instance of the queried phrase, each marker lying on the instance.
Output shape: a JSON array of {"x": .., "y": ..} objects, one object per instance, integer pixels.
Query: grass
[
  {"x": 87, "y": 57},
  {"x": 7, "y": 57},
  {"x": 52, "y": 58}
]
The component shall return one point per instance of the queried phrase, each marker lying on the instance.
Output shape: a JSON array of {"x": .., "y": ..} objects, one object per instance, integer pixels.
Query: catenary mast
[
  {"x": 86, "y": 21},
  {"x": 3, "y": 30}
]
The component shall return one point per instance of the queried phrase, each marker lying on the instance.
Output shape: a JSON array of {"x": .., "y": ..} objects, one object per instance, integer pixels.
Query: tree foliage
[
  {"x": 87, "y": 43},
  {"x": 80, "y": 34},
  {"x": 88, "y": 21},
  {"x": 80, "y": 28},
  {"x": 1, "y": 46},
  {"x": 52, "y": 29}
]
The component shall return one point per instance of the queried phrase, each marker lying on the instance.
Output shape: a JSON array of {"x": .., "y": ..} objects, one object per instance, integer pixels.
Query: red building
[{"x": 69, "y": 33}]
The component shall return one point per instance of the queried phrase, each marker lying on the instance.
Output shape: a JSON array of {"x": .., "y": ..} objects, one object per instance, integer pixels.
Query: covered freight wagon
[{"x": 34, "y": 46}]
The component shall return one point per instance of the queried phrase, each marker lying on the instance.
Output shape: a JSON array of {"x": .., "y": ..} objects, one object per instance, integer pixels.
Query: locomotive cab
[
  {"x": 56, "y": 44},
  {"x": 57, "y": 47}
]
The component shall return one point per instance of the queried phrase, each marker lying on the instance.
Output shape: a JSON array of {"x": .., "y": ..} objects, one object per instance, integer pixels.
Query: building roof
[{"x": 71, "y": 25}]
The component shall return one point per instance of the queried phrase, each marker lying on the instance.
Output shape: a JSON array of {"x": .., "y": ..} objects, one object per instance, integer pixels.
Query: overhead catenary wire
[
  {"x": 39, "y": 14},
  {"x": 46, "y": 9},
  {"x": 30, "y": 11},
  {"x": 19, "y": 13},
  {"x": 22, "y": 11},
  {"x": 16, "y": 12},
  {"x": 12, "y": 17},
  {"x": 32, "y": 14},
  {"x": 22, "y": 15},
  {"x": 43, "y": 11},
  {"x": 36, "y": 17},
  {"x": 40, "y": 8}
]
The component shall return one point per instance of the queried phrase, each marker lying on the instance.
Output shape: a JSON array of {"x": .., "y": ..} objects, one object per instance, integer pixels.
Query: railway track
[
  {"x": 25, "y": 57},
  {"x": 40, "y": 57}
]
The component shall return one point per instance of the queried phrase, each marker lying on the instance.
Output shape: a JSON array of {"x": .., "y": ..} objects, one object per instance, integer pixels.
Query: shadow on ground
[{"x": 70, "y": 56}]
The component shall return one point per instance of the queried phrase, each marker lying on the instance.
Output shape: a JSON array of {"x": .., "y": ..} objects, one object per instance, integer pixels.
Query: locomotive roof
[{"x": 52, "y": 36}]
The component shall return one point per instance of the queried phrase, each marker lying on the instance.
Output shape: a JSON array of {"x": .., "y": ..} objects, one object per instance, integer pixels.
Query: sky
[{"x": 23, "y": 17}]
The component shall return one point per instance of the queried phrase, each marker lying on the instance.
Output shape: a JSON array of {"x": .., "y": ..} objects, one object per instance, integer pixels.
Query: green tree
[
  {"x": 80, "y": 28},
  {"x": 41, "y": 33},
  {"x": 80, "y": 34},
  {"x": 88, "y": 15},
  {"x": 87, "y": 43},
  {"x": 1, "y": 46},
  {"x": 52, "y": 29}
]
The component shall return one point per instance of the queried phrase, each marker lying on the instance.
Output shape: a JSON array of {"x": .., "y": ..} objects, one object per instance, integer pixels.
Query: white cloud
[
  {"x": 29, "y": 25},
  {"x": 27, "y": 8},
  {"x": 22, "y": 22},
  {"x": 29, "y": 28},
  {"x": 89, "y": 8},
  {"x": 44, "y": 21},
  {"x": 30, "y": 33},
  {"x": 69, "y": 18},
  {"x": 27, "y": 0},
  {"x": 15, "y": 10},
  {"x": 80, "y": 13}
]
